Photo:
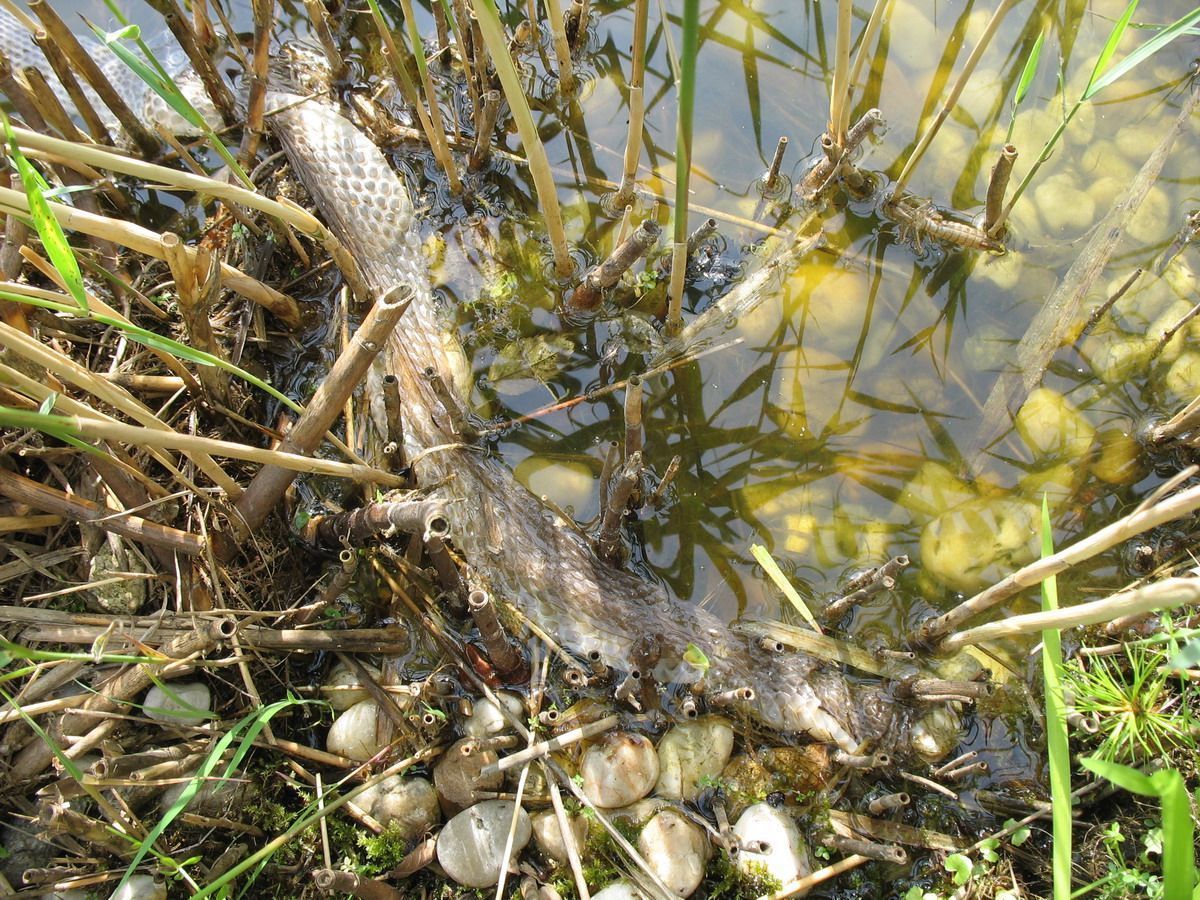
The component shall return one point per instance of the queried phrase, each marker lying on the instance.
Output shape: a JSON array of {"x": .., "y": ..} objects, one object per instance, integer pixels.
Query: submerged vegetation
[{"x": 846, "y": 403}]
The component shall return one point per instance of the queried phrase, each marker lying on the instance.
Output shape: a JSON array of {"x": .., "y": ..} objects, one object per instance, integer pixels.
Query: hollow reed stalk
[
  {"x": 686, "y": 87},
  {"x": 562, "y": 47},
  {"x": 612, "y": 459},
  {"x": 531, "y": 140},
  {"x": 197, "y": 284},
  {"x": 869, "y": 33},
  {"x": 264, "y": 18},
  {"x": 577, "y": 23},
  {"x": 544, "y": 748},
  {"x": 771, "y": 179},
  {"x": 964, "y": 76},
  {"x": 81, "y": 60},
  {"x": 481, "y": 153},
  {"x": 431, "y": 99},
  {"x": 604, "y": 276},
  {"x": 347, "y": 372},
  {"x": 634, "y": 435},
  {"x": 318, "y": 17},
  {"x": 336, "y": 881},
  {"x": 214, "y": 85},
  {"x": 839, "y": 91},
  {"x": 993, "y": 217},
  {"x": 358, "y": 527},
  {"x": 66, "y": 77},
  {"x": 608, "y": 542},
  {"x": 55, "y": 113}
]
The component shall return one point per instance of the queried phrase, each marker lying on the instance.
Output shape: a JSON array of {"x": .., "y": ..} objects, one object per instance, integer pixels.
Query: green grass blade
[
  {"x": 1144, "y": 52},
  {"x": 53, "y": 238},
  {"x": 687, "y": 105},
  {"x": 1110, "y": 47},
  {"x": 1125, "y": 777},
  {"x": 1178, "y": 831},
  {"x": 158, "y": 342},
  {"x": 1030, "y": 70},
  {"x": 1057, "y": 748},
  {"x": 763, "y": 557}
]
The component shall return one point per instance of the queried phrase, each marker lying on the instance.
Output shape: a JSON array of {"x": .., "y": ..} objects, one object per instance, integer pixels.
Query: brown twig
[
  {"x": 588, "y": 295},
  {"x": 175, "y": 19}
]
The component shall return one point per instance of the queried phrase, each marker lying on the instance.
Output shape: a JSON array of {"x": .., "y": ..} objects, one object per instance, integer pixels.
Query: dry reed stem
[
  {"x": 604, "y": 276},
  {"x": 345, "y": 375},
  {"x": 143, "y": 240},
  {"x": 196, "y": 288},
  {"x": 55, "y": 113},
  {"x": 637, "y": 106},
  {"x": 61, "y": 36},
  {"x": 1166, "y": 594},
  {"x": 77, "y": 509},
  {"x": 993, "y": 217},
  {"x": 66, "y": 77},
  {"x": 264, "y": 15},
  {"x": 442, "y": 146},
  {"x": 935, "y": 631},
  {"x": 318, "y": 18},
  {"x": 1187, "y": 419},
  {"x": 679, "y": 256},
  {"x": 964, "y": 76},
  {"x": 66, "y": 368},
  {"x": 335, "y": 881},
  {"x": 839, "y": 91},
  {"x": 874, "y": 23},
  {"x": 562, "y": 47}
]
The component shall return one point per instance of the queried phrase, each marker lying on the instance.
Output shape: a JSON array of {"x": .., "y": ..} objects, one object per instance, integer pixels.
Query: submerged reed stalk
[
  {"x": 771, "y": 179},
  {"x": 562, "y": 46},
  {"x": 634, "y": 435},
  {"x": 609, "y": 546},
  {"x": 384, "y": 518},
  {"x": 683, "y": 161},
  {"x": 993, "y": 216},
  {"x": 500, "y": 650}
]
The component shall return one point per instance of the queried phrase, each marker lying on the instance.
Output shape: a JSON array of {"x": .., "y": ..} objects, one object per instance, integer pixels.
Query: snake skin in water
[{"x": 524, "y": 552}]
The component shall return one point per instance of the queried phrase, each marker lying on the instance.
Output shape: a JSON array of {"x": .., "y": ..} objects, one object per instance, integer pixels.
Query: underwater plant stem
[
  {"x": 634, "y": 435},
  {"x": 481, "y": 153},
  {"x": 964, "y": 76},
  {"x": 62, "y": 37},
  {"x": 993, "y": 217},
  {"x": 344, "y": 376},
  {"x": 562, "y": 47},
  {"x": 500, "y": 650},
  {"x": 608, "y": 542},
  {"x": 839, "y": 91}
]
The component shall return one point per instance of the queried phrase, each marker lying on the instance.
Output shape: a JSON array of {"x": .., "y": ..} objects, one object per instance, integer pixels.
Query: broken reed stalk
[
  {"x": 889, "y": 853},
  {"x": 656, "y": 498},
  {"x": 143, "y": 240},
  {"x": 590, "y": 291},
  {"x": 562, "y": 47},
  {"x": 318, "y": 17},
  {"x": 78, "y": 509},
  {"x": 535, "y": 150},
  {"x": 55, "y": 113},
  {"x": 634, "y": 435},
  {"x": 60, "y": 35},
  {"x": 431, "y": 99},
  {"x": 935, "y": 631},
  {"x": 197, "y": 284},
  {"x": 544, "y": 748},
  {"x": 214, "y": 85},
  {"x": 335, "y": 881},
  {"x": 993, "y": 216},
  {"x": 481, "y": 153},
  {"x": 264, "y": 17},
  {"x": 839, "y": 91},
  {"x": 506, "y": 658},
  {"x": 821, "y": 175},
  {"x": 770, "y": 183},
  {"x": 347, "y": 372},
  {"x": 951, "y": 100},
  {"x": 358, "y": 527},
  {"x": 608, "y": 469},
  {"x": 683, "y": 161},
  {"x": 66, "y": 77},
  {"x": 577, "y": 23},
  {"x": 608, "y": 542},
  {"x": 569, "y": 842},
  {"x": 1187, "y": 419},
  {"x": 637, "y": 107},
  {"x": 1160, "y": 595}
]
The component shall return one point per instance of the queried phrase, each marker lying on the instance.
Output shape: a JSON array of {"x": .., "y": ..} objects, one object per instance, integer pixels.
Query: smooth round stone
[
  {"x": 1050, "y": 425},
  {"x": 458, "y": 775},
  {"x": 140, "y": 887},
  {"x": 619, "y": 769},
  {"x": 570, "y": 485},
  {"x": 618, "y": 890},
  {"x": 471, "y": 846},
  {"x": 352, "y": 734},
  {"x": 1183, "y": 378},
  {"x": 676, "y": 850},
  {"x": 936, "y": 733},
  {"x": 486, "y": 719},
  {"x": 409, "y": 804},
  {"x": 189, "y": 703},
  {"x": 343, "y": 688},
  {"x": 979, "y": 542},
  {"x": 548, "y": 836},
  {"x": 785, "y": 857},
  {"x": 688, "y": 753}
]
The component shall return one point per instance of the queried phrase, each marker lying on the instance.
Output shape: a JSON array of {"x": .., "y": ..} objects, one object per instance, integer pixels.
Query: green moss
[{"x": 725, "y": 881}]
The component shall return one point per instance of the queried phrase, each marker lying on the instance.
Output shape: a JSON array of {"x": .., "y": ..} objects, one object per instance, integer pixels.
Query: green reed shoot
[
  {"x": 1024, "y": 82},
  {"x": 1167, "y": 785},
  {"x": 155, "y": 342},
  {"x": 763, "y": 557},
  {"x": 685, "y": 83},
  {"x": 1102, "y": 76},
  {"x": 1057, "y": 748},
  {"x": 151, "y": 71},
  {"x": 52, "y": 236},
  {"x": 531, "y": 140}
]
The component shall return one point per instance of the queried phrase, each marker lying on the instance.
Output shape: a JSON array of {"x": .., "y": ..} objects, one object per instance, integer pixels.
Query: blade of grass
[
  {"x": 685, "y": 85},
  {"x": 1142, "y": 53},
  {"x": 1024, "y": 82},
  {"x": 763, "y": 557},
  {"x": 1057, "y": 748},
  {"x": 51, "y": 233}
]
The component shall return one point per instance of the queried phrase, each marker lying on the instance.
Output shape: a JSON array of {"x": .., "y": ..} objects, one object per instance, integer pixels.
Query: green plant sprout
[{"x": 1057, "y": 748}]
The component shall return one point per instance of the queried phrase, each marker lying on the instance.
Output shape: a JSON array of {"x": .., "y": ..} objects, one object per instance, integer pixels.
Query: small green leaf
[
  {"x": 1110, "y": 47},
  {"x": 1144, "y": 52},
  {"x": 1124, "y": 777},
  {"x": 1030, "y": 70},
  {"x": 696, "y": 658},
  {"x": 959, "y": 867}
]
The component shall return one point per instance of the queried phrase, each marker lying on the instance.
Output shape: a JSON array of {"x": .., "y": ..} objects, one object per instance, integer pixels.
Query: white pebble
[
  {"x": 187, "y": 703},
  {"x": 689, "y": 752},
  {"x": 352, "y": 734},
  {"x": 619, "y": 769},
  {"x": 619, "y": 890},
  {"x": 784, "y": 856},
  {"x": 486, "y": 719},
  {"x": 409, "y": 804},
  {"x": 471, "y": 846},
  {"x": 548, "y": 836},
  {"x": 343, "y": 688},
  {"x": 140, "y": 887},
  {"x": 676, "y": 850}
]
